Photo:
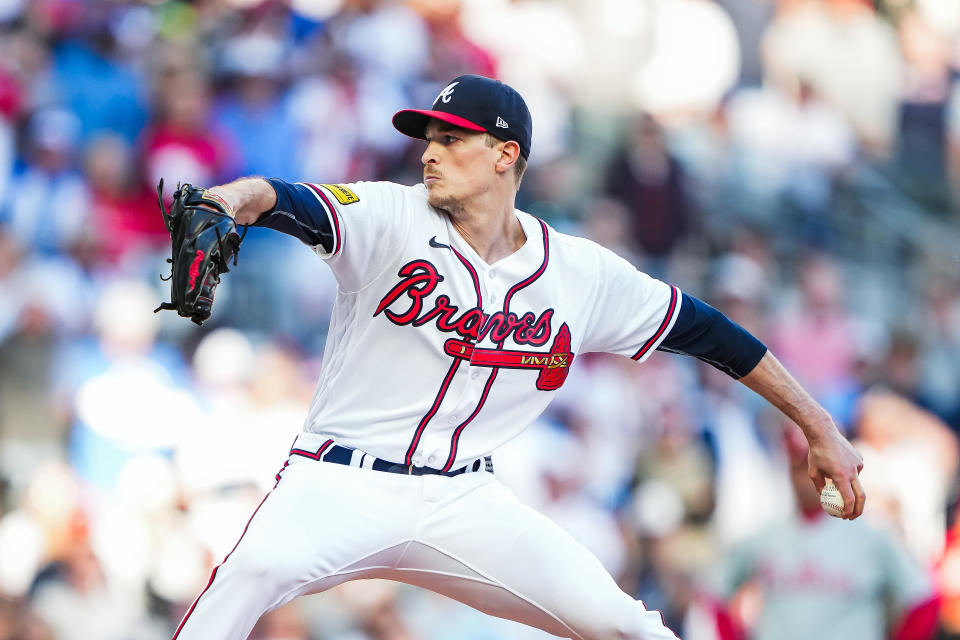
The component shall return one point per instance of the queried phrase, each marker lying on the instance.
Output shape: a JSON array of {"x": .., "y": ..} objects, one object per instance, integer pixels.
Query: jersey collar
[{"x": 517, "y": 263}]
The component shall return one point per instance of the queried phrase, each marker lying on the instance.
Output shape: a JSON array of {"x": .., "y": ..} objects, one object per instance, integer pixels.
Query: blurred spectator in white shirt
[
  {"x": 847, "y": 54},
  {"x": 910, "y": 461},
  {"x": 694, "y": 60},
  {"x": 541, "y": 52}
]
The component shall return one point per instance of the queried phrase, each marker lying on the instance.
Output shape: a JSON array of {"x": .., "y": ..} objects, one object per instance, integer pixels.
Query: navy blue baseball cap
[{"x": 475, "y": 103}]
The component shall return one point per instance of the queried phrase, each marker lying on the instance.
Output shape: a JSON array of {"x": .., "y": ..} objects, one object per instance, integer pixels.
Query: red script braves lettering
[{"x": 419, "y": 279}]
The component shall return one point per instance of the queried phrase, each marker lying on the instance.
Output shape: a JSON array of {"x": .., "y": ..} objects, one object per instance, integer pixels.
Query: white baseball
[{"x": 831, "y": 500}]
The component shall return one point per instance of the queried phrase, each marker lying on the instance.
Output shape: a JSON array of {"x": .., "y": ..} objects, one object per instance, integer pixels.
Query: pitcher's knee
[
  {"x": 248, "y": 566},
  {"x": 615, "y": 631},
  {"x": 628, "y": 620}
]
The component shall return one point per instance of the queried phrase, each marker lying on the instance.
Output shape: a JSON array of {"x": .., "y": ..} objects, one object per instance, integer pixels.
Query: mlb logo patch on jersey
[{"x": 341, "y": 193}]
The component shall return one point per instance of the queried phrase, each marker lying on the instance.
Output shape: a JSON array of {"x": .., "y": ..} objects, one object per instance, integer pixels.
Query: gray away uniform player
[{"x": 457, "y": 318}]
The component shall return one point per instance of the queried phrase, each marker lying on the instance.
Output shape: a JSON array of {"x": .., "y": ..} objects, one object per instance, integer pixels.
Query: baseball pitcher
[{"x": 457, "y": 319}]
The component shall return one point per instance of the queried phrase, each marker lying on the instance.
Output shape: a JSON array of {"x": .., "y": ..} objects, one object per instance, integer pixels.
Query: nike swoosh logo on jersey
[{"x": 437, "y": 245}]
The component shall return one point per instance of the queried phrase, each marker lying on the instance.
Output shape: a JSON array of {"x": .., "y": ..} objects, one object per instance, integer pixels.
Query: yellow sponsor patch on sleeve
[{"x": 341, "y": 193}]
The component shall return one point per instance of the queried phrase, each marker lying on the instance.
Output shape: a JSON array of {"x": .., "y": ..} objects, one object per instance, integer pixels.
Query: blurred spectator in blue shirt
[
  {"x": 48, "y": 199},
  {"x": 104, "y": 92},
  {"x": 254, "y": 110},
  {"x": 921, "y": 158}
]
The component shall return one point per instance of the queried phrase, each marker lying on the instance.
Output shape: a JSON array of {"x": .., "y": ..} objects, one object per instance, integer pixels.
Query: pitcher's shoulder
[
  {"x": 416, "y": 191},
  {"x": 414, "y": 195},
  {"x": 571, "y": 246},
  {"x": 354, "y": 190}
]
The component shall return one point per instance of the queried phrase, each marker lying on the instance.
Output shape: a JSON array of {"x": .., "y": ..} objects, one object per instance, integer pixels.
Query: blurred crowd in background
[{"x": 793, "y": 162}]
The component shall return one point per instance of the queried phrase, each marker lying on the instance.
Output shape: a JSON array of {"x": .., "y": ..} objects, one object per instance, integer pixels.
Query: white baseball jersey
[{"x": 435, "y": 357}]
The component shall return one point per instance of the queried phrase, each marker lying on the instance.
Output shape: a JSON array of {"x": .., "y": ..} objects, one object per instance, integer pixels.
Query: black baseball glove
[{"x": 204, "y": 239}]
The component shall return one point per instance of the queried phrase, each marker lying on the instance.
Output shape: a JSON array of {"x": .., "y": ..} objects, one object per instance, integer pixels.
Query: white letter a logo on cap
[
  {"x": 502, "y": 123},
  {"x": 447, "y": 93}
]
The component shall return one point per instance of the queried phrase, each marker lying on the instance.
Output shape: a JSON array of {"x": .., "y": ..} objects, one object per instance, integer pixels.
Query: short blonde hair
[{"x": 519, "y": 167}]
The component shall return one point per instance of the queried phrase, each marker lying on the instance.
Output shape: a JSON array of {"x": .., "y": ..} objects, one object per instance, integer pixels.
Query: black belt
[{"x": 345, "y": 455}]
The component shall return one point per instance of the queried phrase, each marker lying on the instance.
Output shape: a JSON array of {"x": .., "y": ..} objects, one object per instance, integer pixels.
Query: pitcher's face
[{"x": 457, "y": 165}]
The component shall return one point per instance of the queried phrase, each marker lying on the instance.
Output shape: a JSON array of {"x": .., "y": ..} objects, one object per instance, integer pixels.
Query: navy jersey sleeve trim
[
  {"x": 332, "y": 210},
  {"x": 301, "y": 214},
  {"x": 705, "y": 333}
]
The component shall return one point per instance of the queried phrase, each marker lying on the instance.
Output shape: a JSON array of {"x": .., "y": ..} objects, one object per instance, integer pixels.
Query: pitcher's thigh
[
  {"x": 322, "y": 518},
  {"x": 516, "y": 563},
  {"x": 254, "y": 577},
  {"x": 319, "y": 519}
]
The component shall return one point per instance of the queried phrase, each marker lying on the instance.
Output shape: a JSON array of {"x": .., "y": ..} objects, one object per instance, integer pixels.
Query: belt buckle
[{"x": 409, "y": 469}]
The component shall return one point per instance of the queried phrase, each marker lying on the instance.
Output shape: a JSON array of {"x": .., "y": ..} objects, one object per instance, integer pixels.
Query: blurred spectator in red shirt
[
  {"x": 180, "y": 143},
  {"x": 121, "y": 206},
  {"x": 948, "y": 570},
  {"x": 11, "y": 99}
]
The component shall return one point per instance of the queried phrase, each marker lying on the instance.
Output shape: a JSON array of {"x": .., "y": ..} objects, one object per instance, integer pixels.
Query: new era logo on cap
[{"x": 481, "y": 104}]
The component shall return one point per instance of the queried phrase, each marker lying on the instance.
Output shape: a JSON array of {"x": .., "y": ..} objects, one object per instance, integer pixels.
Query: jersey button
[{"x": 431, "y": 459}]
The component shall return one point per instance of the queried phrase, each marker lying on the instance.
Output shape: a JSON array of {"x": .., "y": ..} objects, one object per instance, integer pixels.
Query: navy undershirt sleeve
[
  {"x": 299, "y": 213},
  {"x": 705, "y": 333}
]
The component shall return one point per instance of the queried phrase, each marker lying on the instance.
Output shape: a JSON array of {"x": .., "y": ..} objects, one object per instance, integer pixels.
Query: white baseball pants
[{"x": 466, "y": 537}]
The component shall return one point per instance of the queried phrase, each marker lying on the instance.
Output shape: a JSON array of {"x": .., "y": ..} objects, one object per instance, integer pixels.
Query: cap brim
[{"x": 413, "y": 122}]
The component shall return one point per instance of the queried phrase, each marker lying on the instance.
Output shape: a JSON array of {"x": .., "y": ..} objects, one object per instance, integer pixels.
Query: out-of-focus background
[{"x": 793, "y": 162}]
